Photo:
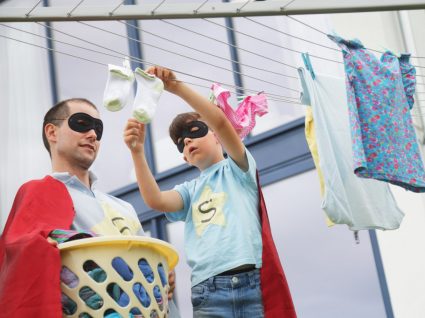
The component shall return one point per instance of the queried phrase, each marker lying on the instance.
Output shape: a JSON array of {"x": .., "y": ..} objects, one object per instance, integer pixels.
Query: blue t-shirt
[{"x": 223, "y": 229}]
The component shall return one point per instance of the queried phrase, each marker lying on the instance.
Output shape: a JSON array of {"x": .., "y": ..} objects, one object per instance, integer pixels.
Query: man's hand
[
  {"x": 134, "y": 135},
  {"x": 52, "y": 241},
  {"x": 172, "y": 283}
]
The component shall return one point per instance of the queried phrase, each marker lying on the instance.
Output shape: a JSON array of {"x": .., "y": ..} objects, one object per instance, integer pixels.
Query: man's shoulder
[
  {"x": 38, "y": 183},
  {"x": 41, "y": 185}
]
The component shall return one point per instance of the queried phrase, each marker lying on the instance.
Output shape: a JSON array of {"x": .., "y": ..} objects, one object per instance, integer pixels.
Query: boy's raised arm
[
  {"x": 209, "y": 112},
  {"x": 165, "y": 201}
]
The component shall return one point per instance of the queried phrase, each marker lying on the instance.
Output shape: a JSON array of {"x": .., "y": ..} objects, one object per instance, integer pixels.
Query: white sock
[
  {"x": 149, "y": 89},
  {"x": 118, "y": 87}
]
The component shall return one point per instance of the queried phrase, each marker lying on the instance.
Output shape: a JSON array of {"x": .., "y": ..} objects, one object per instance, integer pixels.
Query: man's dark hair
[
  {"x": 179, "y": 123},
  {"x": 60, "y": 111}
]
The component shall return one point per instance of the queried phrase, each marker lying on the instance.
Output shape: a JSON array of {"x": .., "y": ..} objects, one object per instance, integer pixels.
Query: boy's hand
[
  {"x": 167, "y": 76},
  {"x": 134, "y": 135}
]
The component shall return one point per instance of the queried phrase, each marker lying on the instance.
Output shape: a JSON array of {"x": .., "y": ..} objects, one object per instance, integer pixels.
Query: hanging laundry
[
  {"x": 149, "y": 90},
  {"x": 380, "y": 96},
  {"x": 118, "y": 87},
  {"x": 310, "y": 137},
  {"x": 310, "y": 132},
  {"x": 243, "y": 118},
  {"x": 360, "y": 203}
]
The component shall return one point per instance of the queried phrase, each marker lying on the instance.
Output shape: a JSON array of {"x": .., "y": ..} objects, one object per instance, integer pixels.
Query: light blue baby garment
[{"x": 360, "y": 203}]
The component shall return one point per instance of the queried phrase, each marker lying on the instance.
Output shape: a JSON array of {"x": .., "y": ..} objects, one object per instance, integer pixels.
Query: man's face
[{"x": 77, "y": 148}]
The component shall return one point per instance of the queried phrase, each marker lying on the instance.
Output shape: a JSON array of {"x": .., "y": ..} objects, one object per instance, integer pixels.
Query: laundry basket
[{"x": 116, "y": 276}]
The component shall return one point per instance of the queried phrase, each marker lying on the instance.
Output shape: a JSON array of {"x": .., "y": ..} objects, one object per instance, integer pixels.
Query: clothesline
[
  {"x": 134, "y": 59},
  {"x": 261, "y": 40},
  {"x": 273, "y": 97},
  {"x": 205, "y": 52},
  {"x": 326, "y": 34},
  {"x": 189, "y": 57},
  {"x": 231, "y": 45},
  {"x": 253, "y": 21}
]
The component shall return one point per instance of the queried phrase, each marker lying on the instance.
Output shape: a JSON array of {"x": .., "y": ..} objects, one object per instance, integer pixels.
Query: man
[{"x": 67, "y": 199}]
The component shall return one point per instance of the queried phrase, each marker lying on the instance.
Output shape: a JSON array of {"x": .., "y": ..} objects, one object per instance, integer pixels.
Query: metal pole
[
  {"x": 52, "y": 63},
  {"x": 209, "y": 10}
]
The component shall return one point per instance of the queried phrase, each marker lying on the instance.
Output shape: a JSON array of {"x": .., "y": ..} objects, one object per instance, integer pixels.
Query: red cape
[
  {"x": 277, "y": 300},
  {"x": 29, "y": 265}
]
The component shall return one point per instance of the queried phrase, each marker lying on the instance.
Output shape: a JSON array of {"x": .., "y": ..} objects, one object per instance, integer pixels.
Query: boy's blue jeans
[{"x": 233, "y": 296}]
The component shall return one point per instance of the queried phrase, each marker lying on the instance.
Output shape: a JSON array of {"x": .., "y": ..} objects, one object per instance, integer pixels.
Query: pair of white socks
[{"x": 118, "y": 88}]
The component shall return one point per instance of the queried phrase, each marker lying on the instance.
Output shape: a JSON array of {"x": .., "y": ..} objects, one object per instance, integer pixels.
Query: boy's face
[{"x": 199, "y": 145}]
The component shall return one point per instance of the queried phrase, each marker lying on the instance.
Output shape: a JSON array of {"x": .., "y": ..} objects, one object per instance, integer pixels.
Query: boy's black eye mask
[{"x": 193, "y": 129}]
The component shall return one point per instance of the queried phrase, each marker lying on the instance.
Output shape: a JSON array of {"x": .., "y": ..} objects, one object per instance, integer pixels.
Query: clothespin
[
  {"x": 126, "y": 63},
  {"x": 356, "y": 237},
  {"x": 307, "y": 63}
]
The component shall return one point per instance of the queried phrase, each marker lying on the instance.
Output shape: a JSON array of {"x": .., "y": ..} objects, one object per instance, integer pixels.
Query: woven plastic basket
[{"x": 116, "y": 276}]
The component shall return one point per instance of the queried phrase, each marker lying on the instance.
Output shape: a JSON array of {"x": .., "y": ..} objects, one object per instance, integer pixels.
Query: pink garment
[{"x": 243, "y": 119}]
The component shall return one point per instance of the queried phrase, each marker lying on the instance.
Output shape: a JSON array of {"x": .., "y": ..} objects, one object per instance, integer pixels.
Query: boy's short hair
[{"x": 179, "y": 123}]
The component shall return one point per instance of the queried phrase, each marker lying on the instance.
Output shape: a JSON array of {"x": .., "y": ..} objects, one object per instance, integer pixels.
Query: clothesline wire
[
  {"x": 112, "y": 50},
  {"x": 270, "y": 43},
  {"x": 188, "y": 57},
  {"x": 229, "y": 44},
  {"x": 288, "y": 4},
  {"x": 52, "y": 50},
  {"x": 208, "y": 53},
  {"x": 274, "y": 96},
  {"x": 289, "y": 49},
  {"x": 153, "y": 11},
  {"x": 199, "y": 7},
  {"x": 240, "y": 8},
  {"x": 264, "y": 25},
  {"x": 75, "y": 8},
  {"x": 116, "y": 8},
  {"x": 251, "y": 52},
  {"x": 281, "y": 100},
  {"x": 32, "y": 9},
  {"x": 324, "y": 33},
  {"x": 291, "y": 35}
]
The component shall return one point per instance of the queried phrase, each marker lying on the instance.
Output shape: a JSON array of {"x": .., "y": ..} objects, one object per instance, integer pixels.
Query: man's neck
[{"x": 82, "y": 174}]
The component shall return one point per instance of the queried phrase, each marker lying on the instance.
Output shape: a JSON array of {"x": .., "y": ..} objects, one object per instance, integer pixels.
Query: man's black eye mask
[{"x": 190, "y": 133}]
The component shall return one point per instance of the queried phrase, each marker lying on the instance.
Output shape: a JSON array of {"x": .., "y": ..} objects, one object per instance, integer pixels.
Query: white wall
[{"x": 25, "y": 97}]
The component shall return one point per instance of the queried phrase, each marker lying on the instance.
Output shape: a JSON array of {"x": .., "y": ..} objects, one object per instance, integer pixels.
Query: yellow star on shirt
[
  {"x": 208, "y": 210},
  {"x": 114, "y": 223}
]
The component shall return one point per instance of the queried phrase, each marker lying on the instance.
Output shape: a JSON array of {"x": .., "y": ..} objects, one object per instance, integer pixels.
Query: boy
[{"x": 223, "y": 238}]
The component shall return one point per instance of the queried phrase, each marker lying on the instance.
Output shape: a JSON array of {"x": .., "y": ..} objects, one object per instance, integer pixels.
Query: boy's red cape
[
  {"x": 29, "y": 265},
  {"x": 277, "y": 300}
]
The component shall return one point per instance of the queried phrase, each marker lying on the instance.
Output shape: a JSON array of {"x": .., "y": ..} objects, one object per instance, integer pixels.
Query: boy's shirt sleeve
[
  {"x": 245, "y": 176},
  {"x": 183, "y": 190}
]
